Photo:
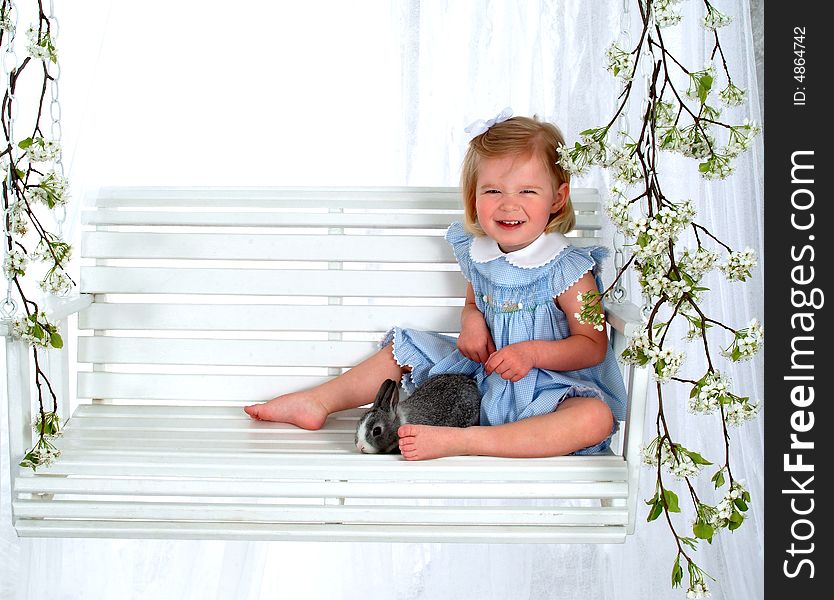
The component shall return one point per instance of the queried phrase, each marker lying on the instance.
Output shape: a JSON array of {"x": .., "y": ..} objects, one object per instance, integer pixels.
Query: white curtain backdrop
[{"x": 377, "y": 93}]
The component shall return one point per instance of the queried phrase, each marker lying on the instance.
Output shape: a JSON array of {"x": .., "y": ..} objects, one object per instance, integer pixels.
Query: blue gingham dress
[{"x": 517, "y": 303}]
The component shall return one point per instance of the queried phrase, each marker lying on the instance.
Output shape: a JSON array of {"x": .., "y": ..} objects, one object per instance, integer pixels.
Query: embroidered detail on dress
[{"x": 508, "y": 307}]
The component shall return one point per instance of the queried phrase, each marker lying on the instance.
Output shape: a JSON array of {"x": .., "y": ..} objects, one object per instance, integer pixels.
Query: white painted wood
[
  {"x": 266, "y": 317},
  {"x": 204, "y": 388},
  {"x": 583, "y": 199},
  {"x": 633, "y": 440},
  {"x": 405, "y": 248},
  {"x": 267, "y": 353},
  {"x": 326, "y": 532},
  {"x": 274, "y": 282},
  {"x": 388, "y": 220},
  {"x": 254, "y": 488},
  {"x": 18, "y": 382},
  {"x": 625, "y": 318},
  {"x": 305, "y": 513},
  {"x": 208, "y": 471},
  {"x": 234, "y": 246},
  {"x": 59, "y": 308}
]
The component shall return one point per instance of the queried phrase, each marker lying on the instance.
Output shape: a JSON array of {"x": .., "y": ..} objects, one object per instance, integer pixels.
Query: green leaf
[
  {"x": 718, "y": 478},
  {"x": 698, "y": 459},
  {"x": 704, "y": 167},
  {"x": 733, "y": 525},
  {"x": 20, "y": 174},
  {"x": 655, "y": 512},
  {"x": 37, "y": 331},
  {"x": 736, "y": 518},
  {"x": 703, "y": 531},
  {"x": 23, "y": 144},
  {"x": 740, "y": 504},
  {"x": 677, "y": 572},
  {"x": 671, "y": 501},
  {"x": 56, "y": 341}
]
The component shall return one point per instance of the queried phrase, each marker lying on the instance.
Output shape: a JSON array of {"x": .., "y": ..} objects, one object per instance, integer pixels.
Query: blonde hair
[{"x": 518, "y": 136}]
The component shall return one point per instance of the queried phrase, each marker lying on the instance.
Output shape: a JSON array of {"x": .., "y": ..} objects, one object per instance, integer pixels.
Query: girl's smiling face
[{"x": 514, "y": 198}]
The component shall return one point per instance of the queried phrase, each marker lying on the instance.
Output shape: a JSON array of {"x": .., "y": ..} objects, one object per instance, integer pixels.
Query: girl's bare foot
[
  {"x": 421, "y": 442},
  {"x": 299, "y": 408}
]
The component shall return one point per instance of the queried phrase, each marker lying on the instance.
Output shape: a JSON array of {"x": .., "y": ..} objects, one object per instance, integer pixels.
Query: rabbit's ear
[
  {"x": 395, "y": 398},
  {"x": 383, "y": 396}
]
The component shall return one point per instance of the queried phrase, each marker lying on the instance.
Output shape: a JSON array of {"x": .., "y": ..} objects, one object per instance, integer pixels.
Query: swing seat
[{"x": 194, "y": 302}]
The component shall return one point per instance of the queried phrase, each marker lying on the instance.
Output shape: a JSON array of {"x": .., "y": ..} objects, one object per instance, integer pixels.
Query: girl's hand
[
  {"x": 512, "y": 362},
  {"x": 475, "y": 340}
]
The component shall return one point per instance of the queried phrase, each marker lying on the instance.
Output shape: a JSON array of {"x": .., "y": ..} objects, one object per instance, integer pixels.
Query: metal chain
[
  {"x": 618, "y": 293},
  {"x": 9, "y": 306},
  {"x": 55, "y": 112}
]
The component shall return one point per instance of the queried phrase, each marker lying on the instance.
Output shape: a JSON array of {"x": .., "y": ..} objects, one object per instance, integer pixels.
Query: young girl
[{"x": 550, "y": 385}]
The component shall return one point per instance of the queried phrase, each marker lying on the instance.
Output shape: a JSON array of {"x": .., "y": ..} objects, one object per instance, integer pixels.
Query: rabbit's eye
[{"x": 377, "y": 431}]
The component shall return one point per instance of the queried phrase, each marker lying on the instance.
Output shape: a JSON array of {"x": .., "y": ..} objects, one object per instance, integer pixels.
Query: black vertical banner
[{"x": 798, "y": 425}]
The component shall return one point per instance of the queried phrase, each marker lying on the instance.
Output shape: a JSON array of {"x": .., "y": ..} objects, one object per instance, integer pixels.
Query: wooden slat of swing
[
  {"x": 303, "y": 513},
  {"x": 265, "y": 317},
  {"x": 387, "y": 220},
  {"x": 342, "y": 198},
  {"x": 301, "y": 247},
  {"x": 272, "y": 282},
  {"x": 326, "y": 532},
  {"x": 140, "y": 469}
]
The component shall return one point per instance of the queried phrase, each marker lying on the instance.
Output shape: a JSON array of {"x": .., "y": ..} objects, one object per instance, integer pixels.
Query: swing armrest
[
  {"x": 624, "y": 317},
  {"x": 58, "y": 309}
]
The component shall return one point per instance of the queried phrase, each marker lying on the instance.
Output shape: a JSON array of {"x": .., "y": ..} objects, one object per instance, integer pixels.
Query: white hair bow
[{"x": 480, "y": 126}]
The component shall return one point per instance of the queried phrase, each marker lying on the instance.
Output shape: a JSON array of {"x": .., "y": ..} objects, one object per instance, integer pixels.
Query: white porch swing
[{"x": 176, "y": 335}]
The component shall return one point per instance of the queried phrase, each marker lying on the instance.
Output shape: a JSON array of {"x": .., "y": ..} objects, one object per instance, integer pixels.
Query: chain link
[
  {"x": 60, "y": 212},
  {"x": 8, "y": 308}
]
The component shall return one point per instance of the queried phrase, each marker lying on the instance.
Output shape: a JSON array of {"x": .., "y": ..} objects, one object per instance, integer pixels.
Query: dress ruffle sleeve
[
  {"x": 573, "y": 263},
  {"x": 461, "y": 240}
]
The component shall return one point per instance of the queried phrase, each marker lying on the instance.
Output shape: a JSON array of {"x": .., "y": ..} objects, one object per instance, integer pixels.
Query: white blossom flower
[
  {"x": 732, "y": 95},
  {"x": 739, "y": 265},
  {"x": 715, "y": 19},
  {"x": 17, "y": 219},
  {"x": 717, "y": 166},
  {"x": 696, "y": 141},
  {"x": 56, "y": 282},
  {"x": 741, "y": 137},
  {"x": 664, "y": 114},
  {"x": 40, "y": 45},
  {"x": 43, "y": 150},
  {"x": 625, "y": 165},
  {"x": 15, "y": 263},
  {"x": 699, "y": 263},
  {"x": 6, "y": 23},
  {"x": 666, "y": 362},
  {"x": 620, "y": 62},
  {"x": 618, "y": 211},
  {"x": 738, "y": 413},
  {"x": 698, "y": 590},
  {"x": 666, "y": 12},
  {"x": 678, "y": 462},
  {"x": 746, "y": 343},
  {"x": 707, "y": 395},
  {"x": 700, "y": 82},
  {"x": 35, "y": 329},
  {"x": 51, "y": 191}
]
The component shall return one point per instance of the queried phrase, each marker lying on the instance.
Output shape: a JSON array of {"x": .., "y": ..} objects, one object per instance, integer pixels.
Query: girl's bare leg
[
  {"x": 578, "y": 423},
  {"x": 309, "y": 409}
]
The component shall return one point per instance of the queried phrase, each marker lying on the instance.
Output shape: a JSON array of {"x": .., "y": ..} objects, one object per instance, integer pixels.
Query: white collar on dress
[{"x": 540, "y": 251}]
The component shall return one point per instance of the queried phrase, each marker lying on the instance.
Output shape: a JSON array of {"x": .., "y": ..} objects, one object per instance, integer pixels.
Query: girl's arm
[
  {"x": 585, "y": 347},
  {"x": 475, "y": 340}
]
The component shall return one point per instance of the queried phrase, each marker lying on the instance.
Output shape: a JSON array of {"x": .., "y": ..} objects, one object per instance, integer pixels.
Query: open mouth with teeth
[{"x": 510, "y": 224}]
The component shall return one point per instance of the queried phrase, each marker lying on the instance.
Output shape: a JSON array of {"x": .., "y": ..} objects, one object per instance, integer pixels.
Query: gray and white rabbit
[{"x": 448, "y": 400}]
